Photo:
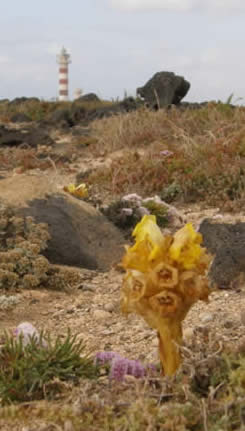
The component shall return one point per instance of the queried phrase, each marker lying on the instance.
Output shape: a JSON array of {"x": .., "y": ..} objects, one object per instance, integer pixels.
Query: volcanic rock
[
  {"x": 60, "y": 118},
  {"x": 80, "y": 235},
  {"x": 20, "y": 117},
  {"x": 31, "y": 137},
  {"x": 89, "y": 97},
  {"x": 163, "y": 89},
  {"x": 227, "y": 243},
  {"x": 21, "y": 100}
]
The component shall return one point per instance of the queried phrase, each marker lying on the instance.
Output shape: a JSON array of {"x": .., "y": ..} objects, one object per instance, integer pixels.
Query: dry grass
[
  {"x": 23, "y": 158},
  {"x": 35, "y": 110},
  {"x": 39, "y": 110},
  {"x": 206, "y": 159}
]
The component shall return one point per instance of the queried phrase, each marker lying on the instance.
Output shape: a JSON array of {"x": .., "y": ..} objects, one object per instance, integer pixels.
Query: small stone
[
  {"x": 45, "y": 313},
  {"x": 57, "y": 314},
  {"x": 203, "y": 329},
  {"x": 101, "y": 315},
  {"x": 243, "y": 316},
  {"x": 110, "y": 306},
  {"x": 107, "y": 332},
  {"x": 68, "y": 425},
  {"x": 87, "y": 287},
  {"x": 77, "y": 408},
  {"x": 155, "y": 342},
  {"x": 229, "y": 324},
  {"x": 188, "y": 334},
  {"x": 207, "y": 318},
  {"x": 241, "y": 346},
  {"x": 146, "y": 334},
  {"x": 70, "y": 309}
]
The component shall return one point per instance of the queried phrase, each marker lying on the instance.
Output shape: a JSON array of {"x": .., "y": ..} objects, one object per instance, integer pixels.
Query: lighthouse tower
[{"x": 63, "y": 59}]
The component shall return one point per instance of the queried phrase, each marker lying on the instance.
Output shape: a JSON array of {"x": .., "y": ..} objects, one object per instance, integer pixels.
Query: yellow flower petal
[
  {"x": 137, "y": 257},
  {"x": 186, "y": 247},
  {"x": 80, "y": 191},
  {"x": 149, "y": 248},
  {"x": 70, "y": 188},
  {"x": 147, "y": 229}
]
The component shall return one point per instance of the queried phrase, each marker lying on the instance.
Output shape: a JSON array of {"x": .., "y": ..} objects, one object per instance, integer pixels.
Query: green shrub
[{"x": 33, "y": 371}]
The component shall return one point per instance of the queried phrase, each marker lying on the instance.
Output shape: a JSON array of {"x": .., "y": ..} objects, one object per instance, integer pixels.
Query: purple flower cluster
[{"x": 120, "y": 366}]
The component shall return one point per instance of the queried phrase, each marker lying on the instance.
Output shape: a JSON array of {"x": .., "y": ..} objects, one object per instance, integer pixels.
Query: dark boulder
[
  {"x": 10, "y": 137},
  {"x": 89, "y": 97},
  {"x": 60, "y": 118},
  {"x": 31, "y": 137},
  {"x": 80, "y": 114},
  {"x": 80, "y": 130},
  {"x": 163, "y": 89},
  {"x": 77, "y": 113},
  {"x": 192, "y": 106},
  {"x": 130, "y": 104},
  {"x": 80, "y": 235},
  {"x": 38, "y": 136},
  {"x": 104, "y": 111},
  {"x": 227, "y": 243},
  {"x": 67, "y": 117},
  {"x": 107, "y": 110},
  {"x": 20, "y": 100},
  {"x": 20, "y": 118}
]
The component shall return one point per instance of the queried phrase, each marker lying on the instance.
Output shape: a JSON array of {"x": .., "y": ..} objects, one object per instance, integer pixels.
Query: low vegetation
[
  {"x": 184, "y": 156},
  {"x": 36, "y": 370},
  {"x": 207, "y": 392},
  {"x": 38, "y": 110},
  {"x": 22, "y": 264}
]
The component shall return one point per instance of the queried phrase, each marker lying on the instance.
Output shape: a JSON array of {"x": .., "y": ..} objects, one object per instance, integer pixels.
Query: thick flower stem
[{"x": 170, "y": 336}]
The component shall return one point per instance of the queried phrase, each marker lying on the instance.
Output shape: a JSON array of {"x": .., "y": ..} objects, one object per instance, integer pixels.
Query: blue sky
[{"x": 117, "y": 45}]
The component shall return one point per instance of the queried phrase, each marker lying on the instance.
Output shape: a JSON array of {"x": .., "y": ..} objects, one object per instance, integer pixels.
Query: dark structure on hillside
[{"x": 163, "y": 89}]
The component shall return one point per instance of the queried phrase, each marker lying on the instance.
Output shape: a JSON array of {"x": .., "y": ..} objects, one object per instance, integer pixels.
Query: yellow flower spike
[{"x": 165, "y": 277}]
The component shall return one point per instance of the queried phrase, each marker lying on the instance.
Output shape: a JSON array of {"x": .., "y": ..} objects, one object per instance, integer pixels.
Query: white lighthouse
[{"x": 63, "y": 59}]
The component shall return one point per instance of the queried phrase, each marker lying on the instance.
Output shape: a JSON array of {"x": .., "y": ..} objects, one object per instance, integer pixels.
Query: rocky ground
[
  {"x": 92, "y": 310},
  {"x": 90, "y": 307}
]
